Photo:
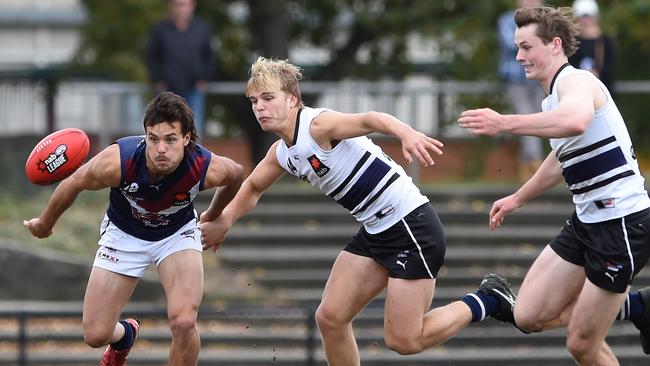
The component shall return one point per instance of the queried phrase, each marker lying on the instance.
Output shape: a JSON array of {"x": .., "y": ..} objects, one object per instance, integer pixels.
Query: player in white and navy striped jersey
[
  {"x": 582, "y": 278},
  {"x": 401, "y": 244}
]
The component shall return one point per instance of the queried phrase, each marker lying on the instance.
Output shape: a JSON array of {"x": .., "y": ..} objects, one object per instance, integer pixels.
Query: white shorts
[{"x": 122, "y": 253}]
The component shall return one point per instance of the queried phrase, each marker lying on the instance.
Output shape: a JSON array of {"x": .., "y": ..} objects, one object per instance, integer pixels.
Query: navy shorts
[
  {"x": 612, "y": 252},
  {"x": 413, "y": 248}
]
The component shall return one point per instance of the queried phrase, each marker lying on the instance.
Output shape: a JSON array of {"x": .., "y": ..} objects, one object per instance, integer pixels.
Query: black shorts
[
  {"x": 413, "y": 248},
  {"x": 612, "y": 252}
]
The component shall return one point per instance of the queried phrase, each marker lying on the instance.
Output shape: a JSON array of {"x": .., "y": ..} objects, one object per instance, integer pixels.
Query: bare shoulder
[
  {"x": 577, "y": 83},
  {"x": 221, "y": 171},
  {"x": 582, "y": 86}
]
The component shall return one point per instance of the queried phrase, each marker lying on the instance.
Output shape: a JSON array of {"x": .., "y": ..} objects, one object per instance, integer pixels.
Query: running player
[
  {"x": 150, "y": 219},
  {"x": 582, "y": 278},
  {"x": 401, "y": 244}
]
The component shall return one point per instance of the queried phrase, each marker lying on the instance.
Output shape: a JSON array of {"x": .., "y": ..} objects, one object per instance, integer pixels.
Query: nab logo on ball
[
  {"x": 57, "y": 156},
  {"x": 54, "y": 161}
]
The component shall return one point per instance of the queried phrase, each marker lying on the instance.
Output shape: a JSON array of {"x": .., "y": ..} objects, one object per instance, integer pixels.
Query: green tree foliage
[
  {"x": 116, "y": 33},
  {"x": 361, "y": 38}
]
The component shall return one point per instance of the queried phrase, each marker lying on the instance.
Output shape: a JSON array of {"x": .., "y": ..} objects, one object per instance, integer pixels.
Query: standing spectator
[
  {"x": 596, "y": 51},
  {"x": 180, "y": 56},
  {"x": 524, "y": 96}
]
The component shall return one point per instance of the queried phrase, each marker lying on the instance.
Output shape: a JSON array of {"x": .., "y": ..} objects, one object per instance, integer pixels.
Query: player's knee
[
  {"x": 528, "y": 321},
  {"x": 96, "y": 337},
  {"x": 328, "y": 318},
  {"x": 182, "y": 323},
  {"x": 403, "y": 345},
  {"x": 581, "y": 348}
]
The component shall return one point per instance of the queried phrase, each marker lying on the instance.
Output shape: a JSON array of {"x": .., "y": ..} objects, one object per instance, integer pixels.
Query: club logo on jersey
[
  {"x": 55, "y": 160},
  {"x": 319, "y": 168},
  {"x": 182, "y": 199},
  {"x": 131, "y": 188}
]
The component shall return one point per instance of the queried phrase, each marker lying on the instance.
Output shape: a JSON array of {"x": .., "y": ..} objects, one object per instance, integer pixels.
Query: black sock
[{"x": 127, "y": 339}]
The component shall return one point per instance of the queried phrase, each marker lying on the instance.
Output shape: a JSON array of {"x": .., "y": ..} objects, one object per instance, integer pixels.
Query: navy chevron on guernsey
[
  {"x": 372, "y": 199},
  {"x": 366, "y": 183},
  {"x": 594, "y": 166},
  {"x": 347, "y": 180}
]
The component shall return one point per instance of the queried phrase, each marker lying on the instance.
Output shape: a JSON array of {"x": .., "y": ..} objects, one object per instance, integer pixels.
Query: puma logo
[
  {"x": 610, "y": 276},
  {"x": 402, "y": 264}
]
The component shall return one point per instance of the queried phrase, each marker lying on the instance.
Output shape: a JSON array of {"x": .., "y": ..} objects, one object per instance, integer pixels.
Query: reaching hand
[
  {"x": 213, "y": 233},
  {"x": 416, "y": 144},
  {"x": 38, "y": 228},
  {"x": 501, "y": 208},
  {"x": 483, "y": 121}
]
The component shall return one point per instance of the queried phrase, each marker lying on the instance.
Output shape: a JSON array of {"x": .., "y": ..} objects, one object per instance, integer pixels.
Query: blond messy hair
[{"x": 271, "y": 75}]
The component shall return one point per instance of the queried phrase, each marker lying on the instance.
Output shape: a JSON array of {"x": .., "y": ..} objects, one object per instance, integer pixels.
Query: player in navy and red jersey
[{"x": 150, "y": 219}]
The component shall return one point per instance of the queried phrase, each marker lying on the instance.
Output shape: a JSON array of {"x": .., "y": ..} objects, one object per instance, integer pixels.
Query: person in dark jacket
[{"x": 180, "y": 56}]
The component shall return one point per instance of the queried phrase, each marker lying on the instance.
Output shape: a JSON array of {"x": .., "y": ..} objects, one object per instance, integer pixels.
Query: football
[{"x": 57, "y": 156}]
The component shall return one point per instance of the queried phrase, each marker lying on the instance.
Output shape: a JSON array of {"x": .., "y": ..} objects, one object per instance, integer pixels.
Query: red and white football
[{"x": 57, "y": 156}]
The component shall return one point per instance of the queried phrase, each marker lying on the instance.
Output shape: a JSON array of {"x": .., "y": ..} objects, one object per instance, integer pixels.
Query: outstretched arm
[
  {"x": 547, "y": 176},
  {"x": 265, "y": 173},
  {"x": 100, "y": 172},
  {"x": 228, "y": 176},
  {"x": 332, "y": 126},
  {"x": 579, "y": 97}
]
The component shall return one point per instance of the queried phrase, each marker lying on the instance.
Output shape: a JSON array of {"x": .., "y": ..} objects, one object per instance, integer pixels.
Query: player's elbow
[{"x": 238, "y": 172}]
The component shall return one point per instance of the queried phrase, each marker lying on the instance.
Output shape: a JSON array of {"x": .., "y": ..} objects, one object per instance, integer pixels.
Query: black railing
[{"x": 25, "y": 313}]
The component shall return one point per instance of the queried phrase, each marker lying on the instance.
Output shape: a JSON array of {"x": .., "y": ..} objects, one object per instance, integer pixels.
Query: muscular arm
[
  {"x": 579, "y": 98},
  {"x": 332, "y": 126},
  {"x": 227, "y": 175},
  {"x": 100, "y": 172},
  {"x": 262, "y": 177}
]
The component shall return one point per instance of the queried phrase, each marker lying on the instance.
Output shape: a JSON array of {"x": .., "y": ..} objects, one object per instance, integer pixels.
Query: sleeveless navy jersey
[{"x": 155, "y": 211}]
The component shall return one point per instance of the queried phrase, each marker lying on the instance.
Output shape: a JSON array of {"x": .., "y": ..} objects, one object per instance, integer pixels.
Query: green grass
[{"x": 76, "y": 231}]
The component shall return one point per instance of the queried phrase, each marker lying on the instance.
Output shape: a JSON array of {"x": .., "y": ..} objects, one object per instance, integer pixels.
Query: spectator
[
  {"x": 524, "y": 96},
  {"x": 180, "y": 56},
  {"x": 596, "y": 50}
]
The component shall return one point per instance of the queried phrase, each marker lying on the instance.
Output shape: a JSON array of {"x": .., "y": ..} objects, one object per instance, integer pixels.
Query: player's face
[
  {"x": 271, "y": 109},
  {"x": 165, "y": 147},
  {"x": 533, "y": 54}
]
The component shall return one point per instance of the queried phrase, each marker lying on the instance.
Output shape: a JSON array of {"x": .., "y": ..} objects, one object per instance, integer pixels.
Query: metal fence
[
  {"x": 115, "y": 108},
  {"x": 24, "y": 338}
]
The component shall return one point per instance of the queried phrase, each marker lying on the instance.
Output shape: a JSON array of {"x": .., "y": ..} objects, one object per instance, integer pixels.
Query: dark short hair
[
  {"x": 551, "y": 23},
  {"x": 168, "y": 107}
]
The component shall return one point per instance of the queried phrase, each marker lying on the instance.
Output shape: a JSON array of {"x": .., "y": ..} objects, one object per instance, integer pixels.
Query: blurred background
[{"x": 88, "y": 64}]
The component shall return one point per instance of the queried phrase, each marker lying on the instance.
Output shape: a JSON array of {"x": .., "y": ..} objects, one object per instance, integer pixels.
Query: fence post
[
  {"x": 22, "y": 338},
  {"x": 310, "y": 345}
]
